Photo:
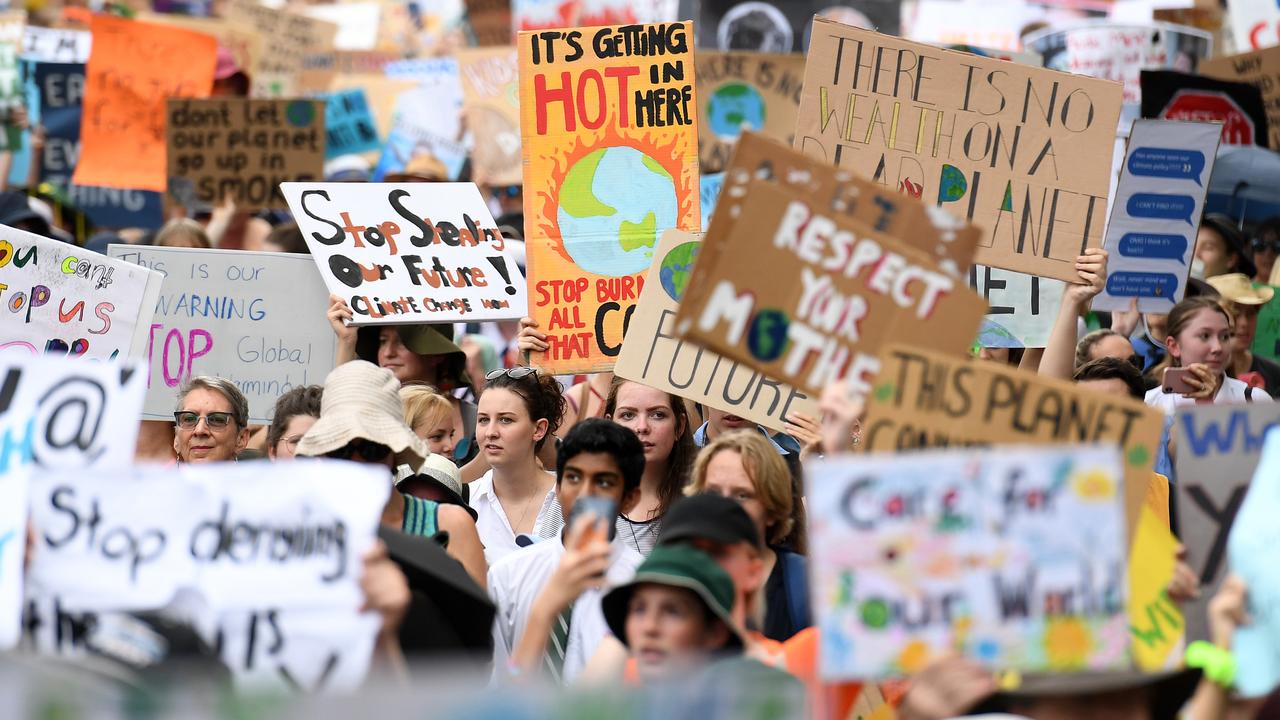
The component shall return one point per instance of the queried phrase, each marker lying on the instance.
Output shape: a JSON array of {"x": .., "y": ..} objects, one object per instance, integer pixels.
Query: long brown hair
[
  {"x": 1179, "y": 317},
  {"x": 680, "y": 461}
]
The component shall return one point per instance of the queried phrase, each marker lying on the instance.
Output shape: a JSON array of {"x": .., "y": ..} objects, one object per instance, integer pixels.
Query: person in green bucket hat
[{"x": 413, "y": 353}]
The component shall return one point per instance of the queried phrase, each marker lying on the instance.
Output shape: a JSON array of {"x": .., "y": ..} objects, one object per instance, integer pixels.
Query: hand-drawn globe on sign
[
  {"x": 732, "y": 105},
  {"x": 613, "y": 205},
  {"x": 676, "y": 268}
]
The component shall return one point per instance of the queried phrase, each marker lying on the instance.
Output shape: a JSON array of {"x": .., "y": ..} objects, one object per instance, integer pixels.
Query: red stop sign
[{"x": 1210, "y": 106}]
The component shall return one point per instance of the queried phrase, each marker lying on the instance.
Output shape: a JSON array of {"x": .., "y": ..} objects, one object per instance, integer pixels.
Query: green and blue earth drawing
[
  {"x": 732, "y": 105},
  {"x": 676, "y": 268}
]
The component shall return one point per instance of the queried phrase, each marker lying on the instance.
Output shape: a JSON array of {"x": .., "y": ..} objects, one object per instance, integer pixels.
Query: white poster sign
[
  {"x": 55, "y": 45},
  {"x": 1255, "y": 24},
  {"x": 1021, "y": 307}
]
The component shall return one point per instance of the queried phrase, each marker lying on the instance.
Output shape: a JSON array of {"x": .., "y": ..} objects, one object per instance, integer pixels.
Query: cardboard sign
[
  {"x": 64, "y": 300},
  {"x": 426, "y": 131},
  {"x": 709, "y": 194},
  {"x": 835, "y": 295},
  {"x": 1021, "y": 308},
  {"x": 1260, "y": 69},
  {"x": 609, "y": 126},
  {"x": 253, "y": 318},
  {"x": 409, "y": 254},
  {"x": 784, "y": 27},
  {"x": 491, "y": 103},
  {"x": 348, "y": 124},
  {"x": 1217, "y": 450},
  {"x": 291, "y": 37},
  {"x": 924, "y": 399},
  {"x": 1156, "y": 213},
  {"x": 1178, "y": 96},
  {"x": 653, "y": 355},
  {"x": 11, "y": 90},
  {"x": 243, "y": 149},
  {"x": 1252, "y": 547},
  {"x": 1015, "y": 558},
  {"x": 740, "y": 90},
  {"x": 357, "y": 23},
  {"x": 1155, "y": 621},
  {"x": 1255, "y": 24},
  {"x": 1023, "y": 153},
  {"x": 133, "y": 69},
  {"x": 42, "y": 44}
]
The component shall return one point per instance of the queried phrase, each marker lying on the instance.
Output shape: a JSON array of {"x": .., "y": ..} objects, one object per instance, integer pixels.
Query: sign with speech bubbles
[{"x": 1156, "y": 212}]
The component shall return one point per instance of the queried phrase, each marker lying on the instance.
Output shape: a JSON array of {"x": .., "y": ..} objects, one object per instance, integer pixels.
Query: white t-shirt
[
  {"x": 514, "y": 585},
  {"x": 494, "y": 528},
  {"x": 1232, "y": 391}
]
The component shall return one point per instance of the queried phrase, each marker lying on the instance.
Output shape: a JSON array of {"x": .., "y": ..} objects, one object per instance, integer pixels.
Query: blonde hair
[
  {"x": 424, "y": 407},
  {"x": 768, "y": 472},
  {"x": 183, "y": 233}
]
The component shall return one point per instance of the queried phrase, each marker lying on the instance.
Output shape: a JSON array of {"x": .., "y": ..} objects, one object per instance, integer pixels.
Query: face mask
[{"x": 1197, "y": 269}]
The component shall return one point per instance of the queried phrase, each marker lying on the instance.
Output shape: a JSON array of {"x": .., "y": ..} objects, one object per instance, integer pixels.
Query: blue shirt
[{"x": 783, "y": 443}]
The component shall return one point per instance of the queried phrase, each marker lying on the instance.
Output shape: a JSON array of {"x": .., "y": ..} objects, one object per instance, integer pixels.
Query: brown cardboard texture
[
  {"x": 744, "y": 89},
  {"x": 1261, "y": 69}
]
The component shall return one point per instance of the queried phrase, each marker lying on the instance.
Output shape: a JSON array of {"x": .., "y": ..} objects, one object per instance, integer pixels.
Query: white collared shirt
[
  {"x": 514, "y": 585},
  {"x": 494, "y": 528},
  {"x": 1232, "y": 391}
]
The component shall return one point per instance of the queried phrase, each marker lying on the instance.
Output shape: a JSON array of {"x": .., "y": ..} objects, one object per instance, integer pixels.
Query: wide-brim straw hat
[
  {"x": 1238, "y": 288},
  {"x": 361, "y": 401}
]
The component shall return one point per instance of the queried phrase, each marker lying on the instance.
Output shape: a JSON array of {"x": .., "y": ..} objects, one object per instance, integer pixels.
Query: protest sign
[
  {"x": 291, "y": 37},
  {"x": 357, "y": 23},
  {"x": 42, "y": 44},
  {"x": 1023, "y": 153},
  {"x": 924, "y": 399},
  {"x": 242, "y": 149},
  {"x": 1251, "y": 545},
  {"x": 609, "y": 137},
  {"x": 133, "y": 68},
  {"x": 11, "y": 91},
  {"x": 1155, "y": 620},
  {"x": 785, "y": 27},
  {"x": 289, "y": 651},
  {"x": 1255, "y": 23},
  {"x": 453, "y": 264},
  {"x": 426, "y": 130},
  {"x": 1021, "y": 308},
  {"x": 548, "y": 14},
  {"x": 245, "y": 45},
  {"x": 64, "y": 300},
  {"x": 1155, "y": 214},
  {"x": 1217, "y": 450},
  {"x": 253, "y": 318},
  {"x": 1014, "y": 558},
  {"x": 1266, "y": 341},
  {"x": 709, "y": 193},
  {"x": 491, "y": 103},
  {"x": 381, "y": 92},
  {"x": 1260, "y": 69},
  {"x": 653, "y": 355},
  {"x": 13, "y": 534},
  {"x": 1172, "y": 95},
  {"x": 490, "y": 22},
  {"x": 348, "y": 124},
  {"x": 740, "y": 90},
  {"x": 836, "y": 295}
]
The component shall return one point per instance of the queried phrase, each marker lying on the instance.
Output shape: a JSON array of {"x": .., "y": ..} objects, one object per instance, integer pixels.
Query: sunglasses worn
[
  {"x": 188, "y": 420},
  {"x": 514, "y": 373},
  {"x": 1263, "y": 246},
  {"x": 366, "y": 449}
]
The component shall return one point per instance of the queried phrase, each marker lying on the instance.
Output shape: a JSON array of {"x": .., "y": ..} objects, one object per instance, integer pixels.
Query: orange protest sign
[
  {"x": 133, "y": 68},
  {"x": 610, "y": 146}
]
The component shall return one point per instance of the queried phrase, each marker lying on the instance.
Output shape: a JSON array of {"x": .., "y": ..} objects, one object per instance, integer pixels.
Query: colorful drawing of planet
[
  {"x": 676, "y": 268},
  {"x": 731, "y": 106}
]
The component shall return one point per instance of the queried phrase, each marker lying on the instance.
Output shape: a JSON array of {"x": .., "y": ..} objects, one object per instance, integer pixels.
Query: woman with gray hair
[{"x": 211, "y": 422}]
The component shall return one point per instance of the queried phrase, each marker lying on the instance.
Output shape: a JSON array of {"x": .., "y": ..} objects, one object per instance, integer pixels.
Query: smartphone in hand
[
  {"x": 1174, "y": 380},
  {"x": 603, "y": 513}
]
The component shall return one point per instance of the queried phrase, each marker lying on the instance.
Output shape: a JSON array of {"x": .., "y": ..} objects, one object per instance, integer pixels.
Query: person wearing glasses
[
  {"x": 1266, "y": 247},
  {"x": 296, "y": 411},
  {"x": 211, "y": 422},
  {"x": 518, "y": 413}
]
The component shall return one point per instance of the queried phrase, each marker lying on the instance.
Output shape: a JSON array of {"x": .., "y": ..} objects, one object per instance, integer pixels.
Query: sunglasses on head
[
  {"x": 366, "y": 449},
  {"x": 514, "y": 373},
  {"x": 187, "y": 420}
]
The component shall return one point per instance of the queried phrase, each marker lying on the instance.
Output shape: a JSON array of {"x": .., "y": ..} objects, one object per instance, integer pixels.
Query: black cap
[{"x": 708, "y": 517}]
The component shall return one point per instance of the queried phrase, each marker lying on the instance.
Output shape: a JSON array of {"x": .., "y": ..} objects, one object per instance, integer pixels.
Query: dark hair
[
  {"x": 543, "y": 398},
  {"x": 301, "y": 400},
  {"x": 680, "y": 462},
  {"x": 1234, "y": 241},
  {"x": 289, "y": 237},
  {"x": 1109, "y": 368},
  {"x": 597, "y": 435},
  {"x": 1084, "y": 348}
]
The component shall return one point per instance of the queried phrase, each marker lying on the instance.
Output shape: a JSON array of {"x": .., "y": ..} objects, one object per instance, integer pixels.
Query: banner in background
[
  {"x": 491, "y": 103},
  {"x": 290, "y": 39},
  {"x": 1238, "y": 106},
  {"x": 490, "y": 22},
  {"x": 1260, "y": 69},
  {"x": 11, "y": 90},
  {"x": 1255, "y": 24},
  {"x": 42, "y": 44},
  {"x": 744, "y": 91},
  {"x": 773, "y": 27},
  {"x": 349, "y": 126},
  {"x": 426, "y": 136},
  {"x": 256, "y": 319}
]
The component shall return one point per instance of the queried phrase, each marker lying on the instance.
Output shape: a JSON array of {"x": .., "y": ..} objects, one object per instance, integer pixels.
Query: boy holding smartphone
[{"x": 548, "y": 595}]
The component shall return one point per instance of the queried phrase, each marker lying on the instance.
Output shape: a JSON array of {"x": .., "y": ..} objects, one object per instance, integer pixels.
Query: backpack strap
[
  {"x": 797, "y": 580},
  {"x": 1248, "y": 393}
]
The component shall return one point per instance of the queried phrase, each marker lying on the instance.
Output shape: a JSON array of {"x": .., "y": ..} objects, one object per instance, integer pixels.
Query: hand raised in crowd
[
  {"x": 1203, "y": 381},
  {"x": 1126, "y": 322},
  {"x": 386, "y": 591},
  {"x": 947, "y": 688},
  {"x": 1228, "y": 610},
  {"x": 530, "y": 339},
  {"x": 841, "y": 418},
  {"x": 1184, "y": 586},
  {"x": 339, "y": 311},
  {"x": 1091, "y": 266},
  {"x": 807, "y": 431},
  {"x": 582, "y": 567}
]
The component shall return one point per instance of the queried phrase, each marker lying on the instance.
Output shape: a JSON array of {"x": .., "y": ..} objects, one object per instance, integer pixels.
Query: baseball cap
[{"x": 707, "y": 516}]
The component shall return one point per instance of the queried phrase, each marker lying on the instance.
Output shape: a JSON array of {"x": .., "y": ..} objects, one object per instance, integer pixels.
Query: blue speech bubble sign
[
  {"x": 1161, "y": 207},
  {"x": 1167, "y": 163},
  {"x": 1142, "y": 284},
  {"x": 1153, "y": 245}
]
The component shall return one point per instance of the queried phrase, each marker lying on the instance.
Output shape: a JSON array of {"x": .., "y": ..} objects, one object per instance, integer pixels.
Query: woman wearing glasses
[
  {"x": 212, "y": 421},
  {"x": 296, "y": 411},
  {"x": 518, "y": 413}
]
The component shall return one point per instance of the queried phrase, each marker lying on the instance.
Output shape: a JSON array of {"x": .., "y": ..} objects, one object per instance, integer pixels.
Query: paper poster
[
  {"x": 1021, "y": 308},
  {"x": 1255, "y": 24},
  {"x": 996, "y": 24},
  {"x": 64, "y": 300},
  {"x": 42, "y": 44},
  {"x": 609, "y": 133},
  {"x": 543, "y": 14},
  {"x": 490, "y": 22},
  {"x": 310, "y": 525},
  {"x": 741, "y": 90},
  {"x": 357, "y": 23},
  {"x": 1251, "y": 546},
  {"x": 13, "y": 545},
  {"x": 654, "y": 356},
  {"x": 772, "y": 27},
  {"x": 11, "y": 90},
  {"x": 242, "y": 149},
  {"x": 924, "y": 399},
  {"x": 834, "y": 298},
  {"x": 548, "y": 14},
  {"x": 1014, "y": 558},
  {"x": 381, "y": 92},
  {"x": 1155, "y": 620},
  {"x": 1260, "y": 69},
  {"x": 1179, "y": 96},
  {"x": 348, "y": 124},
  {"x": 133, "y": 69},
  {"x": 291, "y": 37},
  {"x": 491, "y": 103},
  {"x": 1023, "y": 153},
  {"x": 285, "y": 652},
  {"x": 709, "y": 193},
  {"x": 411, "y": 253},
  {"x": 1155, "y": 214},
  {"x": 1218, "y": 448},
  {"x": 246, "y": 45},
  {"x": 254, "y": 318},
  {"x": 426, "y": 136}
]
